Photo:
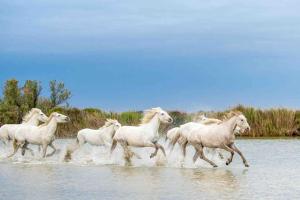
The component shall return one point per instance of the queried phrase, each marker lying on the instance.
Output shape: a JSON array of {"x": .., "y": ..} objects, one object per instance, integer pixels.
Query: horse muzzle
[{"x": 67, "y": 119}]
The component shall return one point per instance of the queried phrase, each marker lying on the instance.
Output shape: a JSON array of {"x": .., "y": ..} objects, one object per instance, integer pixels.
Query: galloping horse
[
  {"x": 39, "y": 135},
  {"x": 144, "y": 135},
  {"x": 100, "y": 137},
  {"x": 220, "y": 135},
  {"x": 33, "y": 117}
]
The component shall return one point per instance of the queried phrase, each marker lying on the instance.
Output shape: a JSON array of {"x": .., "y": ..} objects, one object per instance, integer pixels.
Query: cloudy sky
[{"x": 130, "y": 55}]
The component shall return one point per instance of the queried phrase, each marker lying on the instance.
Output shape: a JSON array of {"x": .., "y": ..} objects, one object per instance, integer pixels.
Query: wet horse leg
[
  {"x": 25, "y": 147},
  {"x": 234, "y": 148},
  {"x": 44, "y": 150},
  {"x": 227, "y": 148},
  {"x": 173, "y": 142},
  {"x": 127, "y": 153},
  {"x": 183, "y": 143},
  {"x": 53, "y": 152},
  {"x": 202, "y": 156},
  {"x": 196, "y": 155},
  {"x": 16, "y": 147}
]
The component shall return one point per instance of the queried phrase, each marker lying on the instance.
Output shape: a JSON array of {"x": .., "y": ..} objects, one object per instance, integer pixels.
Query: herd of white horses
[{"x": 207, "y": 133}]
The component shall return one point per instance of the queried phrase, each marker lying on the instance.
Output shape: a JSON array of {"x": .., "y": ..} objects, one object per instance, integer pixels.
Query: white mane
[
  {"x": 28, "y": 116},
  {"x": 109, "y": 122},
  {"x": 149, "y": 114}
]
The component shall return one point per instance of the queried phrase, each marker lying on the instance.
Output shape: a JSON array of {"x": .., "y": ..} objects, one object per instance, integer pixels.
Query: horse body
[
  {"x": 140, "y": 136},
  {"x": 218, "y": 136},
  {"x": 7, "y": 131},
  {"x": 145, "y": 135},
  {"x": 39, "y": 135},
  {"x": 100, "y": 137}
]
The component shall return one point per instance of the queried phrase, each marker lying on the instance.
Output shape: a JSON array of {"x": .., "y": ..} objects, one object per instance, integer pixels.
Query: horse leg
[
  {"x": 155, "y": 152},
  {"x": 183, "y": 147},
  {"x": 44, "y": 150},
  {"x": 162, "y": 149},
  {"x": 202, "y": 156},
  {"x": 53, "y": 152},
  {"x": 173, "y": 142},
  {"x": 157, "y": 147},
  {"x": 221, "y": 155},
  {"x": 196, "y": 155},
  {"x": 113, "y": 146},
  {"x": 127, "y": 153},
  {"x": 25, "y": 147},
  {"x": 16, "y": 147},
  {"x": 225, "y": 147},
  {"x": 240, "y": 153}
]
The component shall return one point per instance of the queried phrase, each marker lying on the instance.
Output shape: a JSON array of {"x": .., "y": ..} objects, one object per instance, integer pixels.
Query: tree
[
  {"x": 59, "y": 94},
  {"x": 31, "y": 93},
  {"x": 12, "y": 100}
]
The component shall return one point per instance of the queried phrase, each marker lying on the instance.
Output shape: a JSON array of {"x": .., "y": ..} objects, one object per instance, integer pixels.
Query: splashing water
[{"x": 97, "y": 155}]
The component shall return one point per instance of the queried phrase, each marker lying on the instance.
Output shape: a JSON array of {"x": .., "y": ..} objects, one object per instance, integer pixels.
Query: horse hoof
[
  {"x": 247, "y": 165},
  {"x": 215, "y": 166},
  {"x": 151, "y": 156}
]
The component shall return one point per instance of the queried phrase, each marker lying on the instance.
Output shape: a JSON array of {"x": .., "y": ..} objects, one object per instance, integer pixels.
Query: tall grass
[{"x": 279, "y": 122}]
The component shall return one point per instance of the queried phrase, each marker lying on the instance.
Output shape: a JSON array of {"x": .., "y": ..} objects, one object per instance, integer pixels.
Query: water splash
[{"x": 92, "y": 155}]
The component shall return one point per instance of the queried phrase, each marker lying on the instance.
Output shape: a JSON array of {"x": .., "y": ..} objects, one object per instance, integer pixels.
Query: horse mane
[
  {"x": 109, "y": 122},
  {"x": 28, "y": 116},
  {"x": 149, "y": 114},
  {"x": 211, "y": 121},
  {"x": 232, "y": 114},
  {"x": 49, "y": 119}
]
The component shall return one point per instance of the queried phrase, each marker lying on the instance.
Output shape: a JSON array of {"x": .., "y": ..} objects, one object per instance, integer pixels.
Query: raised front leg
[
  {"x": 240, "y": 153},
  {"x": 227, "y": 148},
  {"x": 53, "y": 152},
  {"x": 157, "y": 147}
]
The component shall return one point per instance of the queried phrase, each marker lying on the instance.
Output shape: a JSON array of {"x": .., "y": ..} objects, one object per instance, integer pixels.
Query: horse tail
[
  {"x": 113, "y": 146},
  {"x": 70, "y": 150},
  {"x": 174, "y": 138}
]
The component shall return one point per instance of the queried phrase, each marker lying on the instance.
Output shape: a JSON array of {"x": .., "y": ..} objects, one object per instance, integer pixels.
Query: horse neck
[
  {"x": 51, "y": 127},
  {"x": 33, "y": 120},
  {"x": 230, "y": 124},
  {"x": 153, "y": 124},
  {"x": 109, "y": 130}
]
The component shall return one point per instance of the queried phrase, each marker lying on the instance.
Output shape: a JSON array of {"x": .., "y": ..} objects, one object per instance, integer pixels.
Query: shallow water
[{"x": 274, "y": 173}]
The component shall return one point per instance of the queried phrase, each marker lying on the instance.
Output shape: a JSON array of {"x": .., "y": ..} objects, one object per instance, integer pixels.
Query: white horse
[
  {"x": 100, "y": 137},
  {"x": 33, "y": 117},
  {"x": 39, "y": 135},
  {"x": 174, "y": 134},
  {"x": 218, "y": 136},
  {"x": 144, "y": 135}
]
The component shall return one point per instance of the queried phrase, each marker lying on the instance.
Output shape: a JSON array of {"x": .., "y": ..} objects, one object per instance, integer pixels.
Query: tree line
[{"x": 17, "y": 100}]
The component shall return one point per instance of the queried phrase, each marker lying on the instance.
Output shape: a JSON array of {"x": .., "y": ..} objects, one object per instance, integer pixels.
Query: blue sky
[{"x": 131, "y": 55}]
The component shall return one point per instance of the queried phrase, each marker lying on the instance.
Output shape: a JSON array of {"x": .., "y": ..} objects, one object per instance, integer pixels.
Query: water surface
[{"x": 274, "y": 173}]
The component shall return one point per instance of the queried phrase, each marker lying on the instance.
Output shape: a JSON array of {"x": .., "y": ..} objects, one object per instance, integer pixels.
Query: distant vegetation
[{"x": 16, "y": 101}]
